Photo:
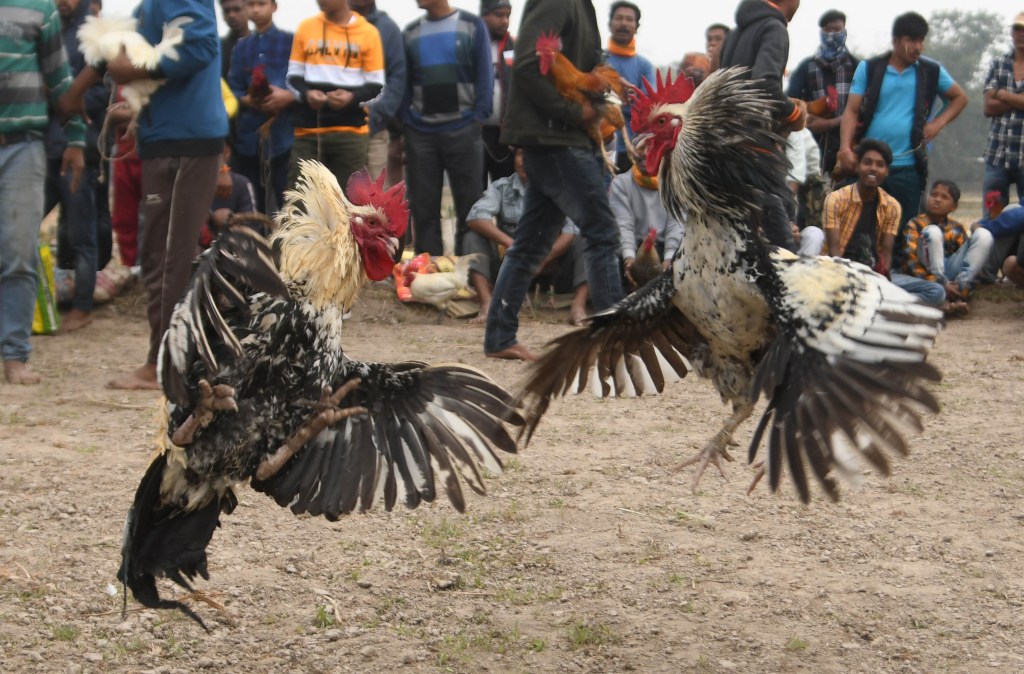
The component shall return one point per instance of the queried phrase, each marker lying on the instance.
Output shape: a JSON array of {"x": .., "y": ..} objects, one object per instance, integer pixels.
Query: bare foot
[
  {"x": 17, "y": 372},
  {"x": 480, "y": 319},
  {"x": 142, "y": 378},
  {"x": 514, "y": 352},
  {"x": 76, "y": 319},
  {"x": 577, "y": 318}
]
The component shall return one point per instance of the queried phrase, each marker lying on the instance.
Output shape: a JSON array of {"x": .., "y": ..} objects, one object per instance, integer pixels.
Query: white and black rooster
[
  {"x": 259, "y": 389},
  {"x": 838, "y": 351}
]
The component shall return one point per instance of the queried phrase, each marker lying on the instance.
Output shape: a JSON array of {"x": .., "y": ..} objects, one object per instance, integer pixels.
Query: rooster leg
[
  {"x": 329, "y": 414},
  {"x": 759, "y": 466},
  {"x": 718, "y": 447},
  {"x": 219, "y": 398}
]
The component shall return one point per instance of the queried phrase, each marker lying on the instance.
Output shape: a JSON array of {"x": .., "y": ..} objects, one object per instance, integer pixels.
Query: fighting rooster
[
  {"x": 646, "y": 266},
  {"x": 837, "y": 350},
  {"x": 102, "y": 38},
  {"x": 259, "y": 389},
  {"x": 602, "y": 87}
]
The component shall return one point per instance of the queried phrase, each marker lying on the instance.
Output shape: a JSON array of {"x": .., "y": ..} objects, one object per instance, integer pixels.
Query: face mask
[{"x": 832, "y": 44}]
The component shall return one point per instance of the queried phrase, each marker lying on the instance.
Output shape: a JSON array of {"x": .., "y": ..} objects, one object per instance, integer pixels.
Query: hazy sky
[{"x": 670, "y": 28}]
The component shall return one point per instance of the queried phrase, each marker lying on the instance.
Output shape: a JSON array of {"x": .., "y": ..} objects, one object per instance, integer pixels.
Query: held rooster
[
  {"x": 260, "y": 390},
  {"x": 646, "y": 266},
  {"x": 837, "y": 350},
  {"x": 103, "y": 38},
  {"x": 602, "y": 87}
]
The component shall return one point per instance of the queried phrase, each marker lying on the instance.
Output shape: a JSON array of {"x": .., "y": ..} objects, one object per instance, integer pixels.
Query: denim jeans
[
  {"x": 905, "y": 185},
  {"x": 78, "y": 222},
  {"x": 22, "y": 174},
  {"x": 929, "y": 292},
  {"x": 962, "y": 266},
  {"x": 562, "y": 182},
  {"x": 429, "y": 156},
  {"x": 999, "y": 178}
]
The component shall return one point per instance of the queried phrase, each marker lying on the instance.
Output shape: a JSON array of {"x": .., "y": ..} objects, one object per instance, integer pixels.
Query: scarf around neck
[
  {"x": 628, "y": 51},
  {"x": 643, "y": 180}
]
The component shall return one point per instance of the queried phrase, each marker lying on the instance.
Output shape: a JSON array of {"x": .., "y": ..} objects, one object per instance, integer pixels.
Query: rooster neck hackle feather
[{"x": 318, "y": 256}]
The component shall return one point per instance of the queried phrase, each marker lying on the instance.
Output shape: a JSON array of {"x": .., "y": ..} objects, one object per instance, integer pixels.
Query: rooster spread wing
[
  {"x": 422, "y": 421},
  {"x": 633, "y": 348},
  {"x": 845, "y": 374},
  {"x": 208, "y": 323}
]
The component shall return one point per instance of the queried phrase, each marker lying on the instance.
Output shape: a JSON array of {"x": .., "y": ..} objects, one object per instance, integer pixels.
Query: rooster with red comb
[
  {"x": 837, "y": 350},
  {"x": 260, "y": 390}
]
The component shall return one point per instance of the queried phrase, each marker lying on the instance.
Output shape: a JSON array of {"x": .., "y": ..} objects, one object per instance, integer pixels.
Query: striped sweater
[
  {"x": 32, "y": 63},
  {"x": 327, "y": 57},
  {"x": 451, "y": 75}
]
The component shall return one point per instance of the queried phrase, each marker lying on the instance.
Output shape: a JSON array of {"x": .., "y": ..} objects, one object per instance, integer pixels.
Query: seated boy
[
  {"x": 637, "y": 208},
  {"x": 234, "y": 194},
  {"x": 861, "y": 220},
  {"x": 939, "y": 252},
  {"x": 491, "y": 224}
]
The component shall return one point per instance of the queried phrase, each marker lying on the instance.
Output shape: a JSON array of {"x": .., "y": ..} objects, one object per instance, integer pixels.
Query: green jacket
[{"x": 537, "y": 114}]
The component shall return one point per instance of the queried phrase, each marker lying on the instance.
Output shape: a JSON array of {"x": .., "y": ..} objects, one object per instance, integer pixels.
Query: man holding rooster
[{"x": 565, "y": 170}]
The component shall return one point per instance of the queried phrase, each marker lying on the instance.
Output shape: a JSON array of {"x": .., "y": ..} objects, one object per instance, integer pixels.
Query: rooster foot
[
  {"x": 219, "y": 398},
  {"x": 759, "y": 467},
  {"x": 713, "y": 453},
  {"x": 327, "y": 414}
]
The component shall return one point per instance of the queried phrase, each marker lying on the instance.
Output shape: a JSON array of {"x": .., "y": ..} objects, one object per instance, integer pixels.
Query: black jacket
[
  {"x": 536, "y": 114},
  {"x": 760, "y": 42}
]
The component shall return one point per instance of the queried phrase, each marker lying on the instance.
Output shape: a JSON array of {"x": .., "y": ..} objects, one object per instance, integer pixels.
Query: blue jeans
[
  {"x": 562, "y": 182},
  {"x": 999, "y": 178},
  {"x": 78, "y": 220},
  {"x": 22, "y": 175},
  {"x": 905, "y": 185},
  {"x": 929, "y": 292},
  {"x": 428, "y": 156},
  {"x": 963, "y": 265}
]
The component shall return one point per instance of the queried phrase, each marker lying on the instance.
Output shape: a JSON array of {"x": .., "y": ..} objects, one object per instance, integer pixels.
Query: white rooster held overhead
[{"x": 103, "y": 38}]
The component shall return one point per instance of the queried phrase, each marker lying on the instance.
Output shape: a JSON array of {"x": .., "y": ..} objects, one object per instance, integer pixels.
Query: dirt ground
[{"x": 588, "y": 555}]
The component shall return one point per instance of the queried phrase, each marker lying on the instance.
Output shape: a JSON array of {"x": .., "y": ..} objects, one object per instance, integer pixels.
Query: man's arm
[
  {"x": 993, "y": 105},
  {"x": 847, "y": 130},
  {"x": 618, "y": 199},
  {"x": 489, "y": 229},
  {"x": 540, "y": 18},
  {"x": 484, "y": 69},
  {"x": 386, "y": 107},
  {"x": 830, "y": 223},
  {"x": 201, "y": 44},
  {"x": 956, "y": 101},
  {"x": 768, "y": 66}
]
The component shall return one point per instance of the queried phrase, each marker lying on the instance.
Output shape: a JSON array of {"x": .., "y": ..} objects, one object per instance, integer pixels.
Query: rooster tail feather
[
  {"x": 174, "y": 35},
  {"x": 628, "y": 350},
  {"x": 167, "y": 541}
]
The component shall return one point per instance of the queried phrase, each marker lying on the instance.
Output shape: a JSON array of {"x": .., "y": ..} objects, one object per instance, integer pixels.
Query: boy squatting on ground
[{"x": 940, "y": 258}]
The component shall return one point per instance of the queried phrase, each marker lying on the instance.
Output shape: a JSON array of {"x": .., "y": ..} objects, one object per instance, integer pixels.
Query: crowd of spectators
[{"x": 455, "y": 97}]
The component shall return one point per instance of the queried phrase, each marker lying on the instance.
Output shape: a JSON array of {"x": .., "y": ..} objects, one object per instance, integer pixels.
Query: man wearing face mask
[{"x": 825, "y": 78}]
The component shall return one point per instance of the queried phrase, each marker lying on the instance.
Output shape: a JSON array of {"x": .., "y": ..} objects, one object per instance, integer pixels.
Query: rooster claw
[
  {"x": 212, "y": 398},
  {"x": 327, "y": 414},
  {"x": 712, "y": 454},
  {"x": 759, "y": 467}
]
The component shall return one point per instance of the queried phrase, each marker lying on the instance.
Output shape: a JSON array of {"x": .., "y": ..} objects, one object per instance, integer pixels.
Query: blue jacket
[
  {"x": 1009, "y": 223},
  {"x": 384, "y": 108},
  {"x": 271, "y": 49},
  {"x": 186, "y": 116}
]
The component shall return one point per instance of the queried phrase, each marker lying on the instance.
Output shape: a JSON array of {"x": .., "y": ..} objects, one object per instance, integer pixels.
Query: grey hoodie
[{"x": 760, "y": 42}]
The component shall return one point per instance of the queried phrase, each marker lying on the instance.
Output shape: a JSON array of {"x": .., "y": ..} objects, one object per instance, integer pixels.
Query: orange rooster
[{"x": 602, "y": 87}]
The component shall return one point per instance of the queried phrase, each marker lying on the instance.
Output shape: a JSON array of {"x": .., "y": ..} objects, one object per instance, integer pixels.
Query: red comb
[
  {"x": 993, "y": 200},
  {"x": 667, "y": 91},
  {"x": 549, "y": 42},
  {"x": 361, "y": 190}
]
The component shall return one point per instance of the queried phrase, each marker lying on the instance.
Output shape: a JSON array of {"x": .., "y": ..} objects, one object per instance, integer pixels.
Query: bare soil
[{"x": 588, "y": 554}]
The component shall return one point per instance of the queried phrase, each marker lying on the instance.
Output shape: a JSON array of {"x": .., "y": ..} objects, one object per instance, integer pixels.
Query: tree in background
[{"x": 965, "y": 42}]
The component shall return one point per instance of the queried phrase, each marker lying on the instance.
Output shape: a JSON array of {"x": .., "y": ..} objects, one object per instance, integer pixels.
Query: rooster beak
[{"x": 394, "y": 248}]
